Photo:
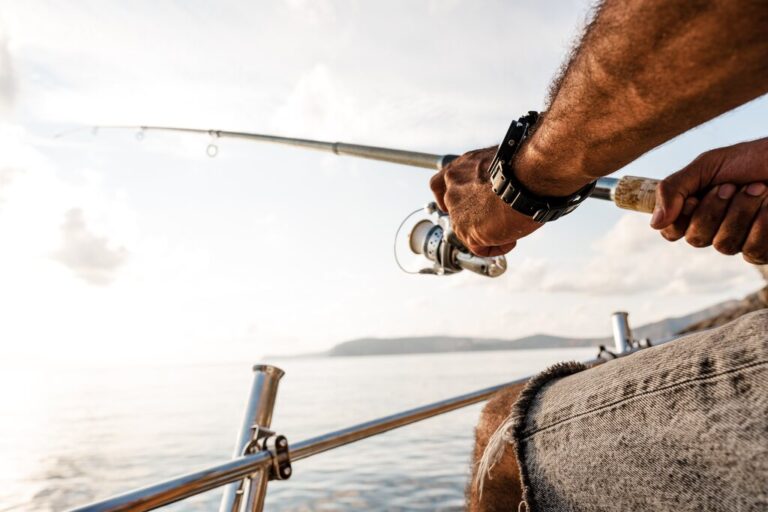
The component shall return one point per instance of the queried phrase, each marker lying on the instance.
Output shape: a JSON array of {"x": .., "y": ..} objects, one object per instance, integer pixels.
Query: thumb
[{"x": 671, "y": 194}]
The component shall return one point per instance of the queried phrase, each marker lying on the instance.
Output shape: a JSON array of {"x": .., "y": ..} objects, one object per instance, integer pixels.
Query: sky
[{"x": 114, "y": 249}]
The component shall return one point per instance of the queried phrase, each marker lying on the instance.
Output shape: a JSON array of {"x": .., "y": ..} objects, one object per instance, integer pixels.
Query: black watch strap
[{"x": 511, "y": 191}]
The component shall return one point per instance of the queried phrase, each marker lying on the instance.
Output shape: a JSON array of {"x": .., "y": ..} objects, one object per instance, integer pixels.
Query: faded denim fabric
[{"x": 682, "y": 426}]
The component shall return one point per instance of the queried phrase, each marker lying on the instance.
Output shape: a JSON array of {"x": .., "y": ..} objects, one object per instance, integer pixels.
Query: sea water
[{"x": 69, "y": 435}]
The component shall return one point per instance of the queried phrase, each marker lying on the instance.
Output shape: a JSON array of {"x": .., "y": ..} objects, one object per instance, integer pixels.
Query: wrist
[
  {"x": 546, "y": 173},
  {"x": 543, "y": 206}
]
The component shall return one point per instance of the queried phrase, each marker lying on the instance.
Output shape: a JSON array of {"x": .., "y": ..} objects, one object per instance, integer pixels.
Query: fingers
[
  {"x": 709, "y": 215},
  {"x": 504, "y": 249},
  {"x": 755, "y": 248},
  {"x": 672, "y": 193},
  {"x": 481, "y": 247},
  {"x": 437, "y": 184},
  {"x": 669, "y": 204},
  {"x": 487, "y": 251},
  {"x": 736, "y": 226},
  {"x": 454, "y": 175},
  {"x": 691, "y": 180},
  {"x": 732, "y": 220},
  {"x": 677, "y": 229},
  {"x": 479, "y": 218}
]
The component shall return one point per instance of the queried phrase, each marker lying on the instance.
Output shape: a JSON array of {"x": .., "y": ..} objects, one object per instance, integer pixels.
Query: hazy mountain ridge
[
  {"x": 436, "y": 344},
  {"x": 440, "y": 344}
]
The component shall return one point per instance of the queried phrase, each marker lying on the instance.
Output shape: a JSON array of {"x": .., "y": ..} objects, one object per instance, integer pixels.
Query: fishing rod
[{"x": 434, "y": 240}]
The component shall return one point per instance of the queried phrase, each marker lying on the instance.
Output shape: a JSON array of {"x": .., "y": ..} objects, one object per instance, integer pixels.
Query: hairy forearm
[{"x": 645, "y": 72}]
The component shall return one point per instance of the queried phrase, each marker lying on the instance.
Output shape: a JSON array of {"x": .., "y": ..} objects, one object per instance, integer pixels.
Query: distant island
[{"x": 441, "y": 344}]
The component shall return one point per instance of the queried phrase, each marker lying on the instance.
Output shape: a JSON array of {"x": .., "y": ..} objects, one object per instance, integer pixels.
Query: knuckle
[
  {"x": 755, "y": 258},
  {"x": 452, "y": 197},
  {"x": 703, "y": 157},
  {"x": 755, "y": 254},
  {"x": 474, "y": 153},
  {"x": 739, "y": 219},
  {"x": 673, "y": 181},
  {"x": 508, "y": 247},
  {"x": 744, "y": 205},
  {"x": 726, "y": 246},
  {"x": 460, "y": 228},
  {"x": 436, "y": 182},
  {"x": 670, "y": 236},
  {"x": 488, "y": 239},
  {"x": 450, "y": 175},
  {"x": 706, "y": 157},
  {"x": 697, "y": 241},
  {"x": 709, "y": 218},
  {"x": 478, "y": 250},
  {"x": 697, "y": 167}
]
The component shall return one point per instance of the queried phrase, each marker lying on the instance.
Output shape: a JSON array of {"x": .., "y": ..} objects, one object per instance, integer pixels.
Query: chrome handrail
[
  {"x": 246, "y": 467},
  {"x": 176, "y": 489}
]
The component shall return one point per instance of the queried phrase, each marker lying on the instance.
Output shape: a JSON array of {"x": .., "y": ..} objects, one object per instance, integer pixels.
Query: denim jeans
[{"x": 682, "y": 426}]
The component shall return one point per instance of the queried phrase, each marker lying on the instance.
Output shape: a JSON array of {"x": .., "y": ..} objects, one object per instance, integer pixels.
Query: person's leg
[
  {"x": 502, "y": 491},
  {"x": 681, "y": 426}
]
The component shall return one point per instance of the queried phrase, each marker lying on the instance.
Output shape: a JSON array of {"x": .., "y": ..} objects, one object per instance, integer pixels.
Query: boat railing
[{"x": 262, "y": 455}]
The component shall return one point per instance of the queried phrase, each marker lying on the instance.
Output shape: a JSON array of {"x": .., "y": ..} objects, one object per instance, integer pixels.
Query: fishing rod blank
[
  {"x": 630, "y": 192},
  {"x": 396, "y": 156},
  {"x": 436, "y": 241}
]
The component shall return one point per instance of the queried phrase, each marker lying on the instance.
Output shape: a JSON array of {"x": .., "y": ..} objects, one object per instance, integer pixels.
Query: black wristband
[{"x": 511, "y": 191}]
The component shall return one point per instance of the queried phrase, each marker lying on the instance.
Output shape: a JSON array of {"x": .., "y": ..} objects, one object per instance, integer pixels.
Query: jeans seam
[{"x": 761, "y": 362}]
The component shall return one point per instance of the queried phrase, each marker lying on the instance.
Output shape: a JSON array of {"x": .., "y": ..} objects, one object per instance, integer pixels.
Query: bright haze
[{"x": 114, "y": 249}]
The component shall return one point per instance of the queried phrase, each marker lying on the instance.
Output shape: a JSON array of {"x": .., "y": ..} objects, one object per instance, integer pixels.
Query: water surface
[{"x": 69, "y": 436}]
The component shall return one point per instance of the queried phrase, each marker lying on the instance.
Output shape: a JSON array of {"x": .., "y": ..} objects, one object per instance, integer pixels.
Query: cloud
[
  {"x": 332, "y": 75},
  {"x": 91, "y": 257},
  {"x": 450, "y": 94},
  {"x": 316, "y": 103},
  {"x": 521, "y": 276},
  {"x": 632, "y": 258},
  {"x": 314, "y": 11},
  {"x": 7, "y": 78},
  {"x": 329, "y": 102},
  {"x": 6, "y": 177}
]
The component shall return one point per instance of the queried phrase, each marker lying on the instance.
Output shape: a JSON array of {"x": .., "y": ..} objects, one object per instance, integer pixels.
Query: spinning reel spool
[{"x": 434, "y": 239}]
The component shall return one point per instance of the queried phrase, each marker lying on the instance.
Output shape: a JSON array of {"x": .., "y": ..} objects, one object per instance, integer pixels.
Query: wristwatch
[{"x": 511, "y": 191}]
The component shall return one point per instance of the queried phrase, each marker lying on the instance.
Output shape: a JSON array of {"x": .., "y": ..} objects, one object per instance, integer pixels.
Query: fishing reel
[{"x": 434, "y": 239}]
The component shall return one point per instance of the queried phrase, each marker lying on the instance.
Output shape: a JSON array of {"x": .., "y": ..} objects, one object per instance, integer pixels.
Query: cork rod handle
[{"x": 635, "y": 193}]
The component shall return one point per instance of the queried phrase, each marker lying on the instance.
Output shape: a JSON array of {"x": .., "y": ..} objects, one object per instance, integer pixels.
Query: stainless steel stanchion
[
  {"x": 248, "y": 494},
  {"x": 622, "y": 334}
]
